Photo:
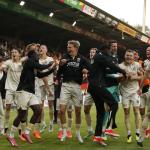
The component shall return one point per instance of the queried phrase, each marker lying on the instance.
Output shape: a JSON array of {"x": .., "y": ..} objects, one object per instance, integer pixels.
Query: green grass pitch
[{"x": 50, "y": 141}]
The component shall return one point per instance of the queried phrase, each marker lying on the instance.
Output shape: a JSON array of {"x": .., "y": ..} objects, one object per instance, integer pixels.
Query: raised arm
[
  {"x": 37, "y": 65},
  {"x": 104, "y": 61}
]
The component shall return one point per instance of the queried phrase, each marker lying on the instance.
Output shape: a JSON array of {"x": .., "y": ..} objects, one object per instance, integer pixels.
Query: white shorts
[
  {"x": 26, "y": 99},
  {"x": 44, "y": 93},
  {"x": 71, "y": 91},
  {"x": 10, "y": 97},
  {"x": 145, "y": 100},
  {"x": 133, "y": 99},
  {"x": 69, "y": 105},
  {"x": 38, "y": 94},
  {"x": 88, "y": 100}
]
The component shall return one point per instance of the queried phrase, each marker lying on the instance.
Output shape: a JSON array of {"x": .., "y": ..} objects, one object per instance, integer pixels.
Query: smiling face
[
  {"x": 129, "y": 57},
  {"x": 72, "y": 50}
]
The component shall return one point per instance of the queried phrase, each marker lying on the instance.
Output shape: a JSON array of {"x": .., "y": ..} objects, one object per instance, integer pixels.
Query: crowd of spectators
[{"x": 6, "y": 45}]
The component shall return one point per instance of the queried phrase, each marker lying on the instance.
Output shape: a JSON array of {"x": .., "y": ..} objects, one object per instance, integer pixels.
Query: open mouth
[{"x": 69, "y": 51}]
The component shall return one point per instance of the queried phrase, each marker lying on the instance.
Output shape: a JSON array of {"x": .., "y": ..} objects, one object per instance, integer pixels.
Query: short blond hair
[{"x": 74, "y": 43}]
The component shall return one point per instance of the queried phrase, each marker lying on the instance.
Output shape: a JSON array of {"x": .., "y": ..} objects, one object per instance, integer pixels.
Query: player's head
[
  {"x": 43, "y": 50},
  {"x": 31, "y": 48},
  {"x": 93, "y": 52},
  {"x": 113, "y": 46},
  {"x": 136, "y": 55},
  {"x": 72, "y": 47},
  {"x": 15, "y": 54},
  {"x": 129, "y": 56}
]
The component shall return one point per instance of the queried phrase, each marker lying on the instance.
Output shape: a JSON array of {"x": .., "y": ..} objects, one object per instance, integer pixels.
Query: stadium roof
[{"x": 90, "y": 23}]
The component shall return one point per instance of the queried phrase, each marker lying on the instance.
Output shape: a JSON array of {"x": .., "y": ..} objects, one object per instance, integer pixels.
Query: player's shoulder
[
  {"x": 81, "y": 57},
  {"x": 49, "y": 58},
  {"x": 136, "y": 64},
  {"x": 121, "y": 64},
  {"x": 146, "y": 62},
  {"x": 8, "y": 62}
]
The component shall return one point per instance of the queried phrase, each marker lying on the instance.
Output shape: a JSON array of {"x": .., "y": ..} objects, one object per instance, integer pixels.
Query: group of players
[{"x": 29, "y": 81}]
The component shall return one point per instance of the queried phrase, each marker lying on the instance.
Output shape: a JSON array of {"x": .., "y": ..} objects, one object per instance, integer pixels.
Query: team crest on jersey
[{"x": 73, "y": 64}]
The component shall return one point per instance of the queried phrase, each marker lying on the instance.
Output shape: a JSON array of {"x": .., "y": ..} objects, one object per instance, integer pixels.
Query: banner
[
  {"x": 100, "y": 15},
  {"x": 81, "y": 6},
  {"x": 74, "y": 3},
  {"x": 126, "y": 29},
  {"x": 89, "y": 11},
  {"x": 144, "y": 39}
]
